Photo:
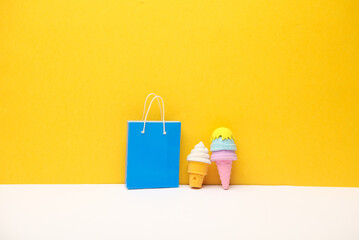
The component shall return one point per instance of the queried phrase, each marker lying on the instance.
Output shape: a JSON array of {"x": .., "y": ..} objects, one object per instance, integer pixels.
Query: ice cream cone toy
[
  {"x": 198, "y": 163},
  {"x": 223, "y": 153}
]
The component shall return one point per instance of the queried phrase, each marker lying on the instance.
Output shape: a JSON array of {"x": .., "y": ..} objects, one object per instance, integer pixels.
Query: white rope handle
[
  {"x": 163, "y": 111},
  {"x": 144, "y": 107}
]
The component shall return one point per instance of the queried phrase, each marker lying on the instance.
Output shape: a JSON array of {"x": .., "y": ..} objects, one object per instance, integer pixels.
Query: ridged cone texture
[
  {"x": 197, "y": 171},
  {"x": 196, "y": 180},
  {"x": 224, "y": 169}
]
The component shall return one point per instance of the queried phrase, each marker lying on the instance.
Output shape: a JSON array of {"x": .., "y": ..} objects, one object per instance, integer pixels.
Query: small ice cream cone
[
  {"x": 224, "y": 169},
  {"x": 198, "y": 163}
]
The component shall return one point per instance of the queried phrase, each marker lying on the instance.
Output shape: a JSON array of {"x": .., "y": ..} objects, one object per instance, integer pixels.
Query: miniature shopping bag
[{"x": 153, "y": 149}]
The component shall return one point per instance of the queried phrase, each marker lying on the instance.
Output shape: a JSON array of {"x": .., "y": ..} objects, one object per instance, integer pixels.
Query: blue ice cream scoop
[{"x": 218, "y": 144}]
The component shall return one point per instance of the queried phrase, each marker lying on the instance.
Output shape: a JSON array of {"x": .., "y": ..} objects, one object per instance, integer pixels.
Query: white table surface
[{"x": 112, "y": 212}]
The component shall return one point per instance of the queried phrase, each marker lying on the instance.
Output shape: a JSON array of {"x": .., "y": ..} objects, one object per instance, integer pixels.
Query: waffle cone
[
  {"x": 197, "y": 171},
  {"x": 196, "y": 180},
  {"x": 224, "y": 169}
]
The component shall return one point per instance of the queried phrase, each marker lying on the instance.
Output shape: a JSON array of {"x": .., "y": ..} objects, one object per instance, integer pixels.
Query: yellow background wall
[{"x": 283, "y": 75}]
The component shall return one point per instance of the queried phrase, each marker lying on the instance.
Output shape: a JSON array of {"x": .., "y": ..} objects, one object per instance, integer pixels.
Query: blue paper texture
[{"x": 153, "y": 157}]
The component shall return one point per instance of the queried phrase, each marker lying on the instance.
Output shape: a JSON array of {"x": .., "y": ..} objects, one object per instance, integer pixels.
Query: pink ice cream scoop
[{"x": 224, "y": 155}]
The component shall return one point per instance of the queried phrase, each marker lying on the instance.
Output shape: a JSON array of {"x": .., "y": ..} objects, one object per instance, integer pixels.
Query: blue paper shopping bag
[{"x": 153, "y": 150}]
